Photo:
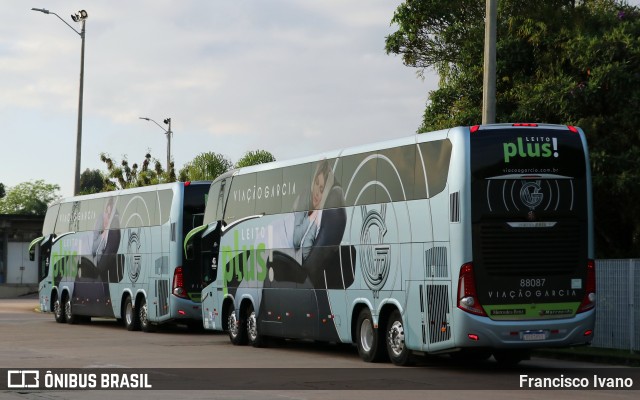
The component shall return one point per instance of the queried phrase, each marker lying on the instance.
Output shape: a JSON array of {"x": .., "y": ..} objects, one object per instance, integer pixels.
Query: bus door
[
  {"x": 208, "y": 247},
  {"x": 40, "y": 251}
]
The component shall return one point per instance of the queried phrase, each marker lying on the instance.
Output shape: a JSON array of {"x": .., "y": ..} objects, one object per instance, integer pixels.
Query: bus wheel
[
  {"x": 253, "y": 335},
  {"x": 368, "y": 341},
  {"x": 68, "y": 311},
  {"x": 396, "y": 347},
  {"x": 131, "y": 318},
  {"x": 143, "y": 316},
  {"x": 58, "y": 313},
  {"x": 237, "y": 330}
]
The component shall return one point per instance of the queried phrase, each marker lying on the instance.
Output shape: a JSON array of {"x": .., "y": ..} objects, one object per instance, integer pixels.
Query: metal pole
[
  {"x": 489, "y": 76},
  {"x": 81, "y": 16},
  {"x": 76, "y": 186},
  {"x": 169, "y": 146}
]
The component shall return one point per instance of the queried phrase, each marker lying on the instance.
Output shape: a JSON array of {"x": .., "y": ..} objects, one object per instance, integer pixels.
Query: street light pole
[
  {"x": 81, "y": 17},
  {"x": 168, "y": 122},
  {"x": 168, "y": 133},
  {"x": 489, "y": 75}
]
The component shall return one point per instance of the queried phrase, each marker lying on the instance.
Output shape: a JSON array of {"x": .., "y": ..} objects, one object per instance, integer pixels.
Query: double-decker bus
[
  {"x": 473, "y": 240},
  {"x": 119, "y": 254}
]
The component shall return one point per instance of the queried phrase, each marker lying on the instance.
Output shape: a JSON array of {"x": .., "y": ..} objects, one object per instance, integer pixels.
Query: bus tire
[
  {"x": 394, "y": 337},
  {"x": 237, "y": 329},
  {"x": 143, "y": 316},
  {"x": 368, "y": 338},
  {"x": 68, "y": 311},
  {"x": 253, "y": 334},
  {"x": 58, "y": 311},
  {"x": 131, "y": 318}
]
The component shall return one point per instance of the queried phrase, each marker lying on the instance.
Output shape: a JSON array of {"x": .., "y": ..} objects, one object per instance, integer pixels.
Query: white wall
[{"x": 18, "y": 257}]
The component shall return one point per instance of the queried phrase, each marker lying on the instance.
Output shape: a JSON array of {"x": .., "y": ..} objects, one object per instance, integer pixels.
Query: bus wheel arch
[{"x": 227, "y": 306}]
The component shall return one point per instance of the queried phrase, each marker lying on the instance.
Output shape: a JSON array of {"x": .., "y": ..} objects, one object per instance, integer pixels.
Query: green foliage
[
  {"x": 123, "y": 176},
  {"x": 255, "y": 157},
  {"x": 205, "y": 167},
  {"x": 92, "y": 181},
  {"x": 558, "y": 61},
  {"x": 29, "y": 198}
]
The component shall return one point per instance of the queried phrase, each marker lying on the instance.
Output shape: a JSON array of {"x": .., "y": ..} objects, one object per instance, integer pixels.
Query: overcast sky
[{"x": 291, "y": 77}]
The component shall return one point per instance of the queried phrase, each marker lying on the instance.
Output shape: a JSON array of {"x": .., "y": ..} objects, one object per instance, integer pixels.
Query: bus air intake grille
[
  {"x": 437, "y": 312},
  {"x": 505, "y": 251},
  {"x": 162, "y": 291}
]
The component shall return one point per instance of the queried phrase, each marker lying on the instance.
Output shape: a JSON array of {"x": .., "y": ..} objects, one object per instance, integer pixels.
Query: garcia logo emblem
[
  {"x": 530, "y": 194},
  {"x": 133, "y": 257},
  {"x": 375, "y": 257}
]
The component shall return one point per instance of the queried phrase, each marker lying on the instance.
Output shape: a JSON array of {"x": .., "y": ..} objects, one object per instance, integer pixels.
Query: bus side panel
[{"x": 162, "y": 265}]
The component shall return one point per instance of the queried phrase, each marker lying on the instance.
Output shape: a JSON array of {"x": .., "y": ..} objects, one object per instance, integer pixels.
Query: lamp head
[
  {"x": 79, "y": 16},
  {"x": 42, "y": 10}
]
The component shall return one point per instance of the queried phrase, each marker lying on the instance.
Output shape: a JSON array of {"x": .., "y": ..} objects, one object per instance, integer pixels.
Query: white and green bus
[
  {"x": 119, "y": 254},
  {"x": 472, "y": 240}
]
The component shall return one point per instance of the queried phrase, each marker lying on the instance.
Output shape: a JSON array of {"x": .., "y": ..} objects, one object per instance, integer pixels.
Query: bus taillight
[
  {"x": 467, "y": 295},
  {"x": 589, "y": 300},
  {"x": 178, "y": 283}
]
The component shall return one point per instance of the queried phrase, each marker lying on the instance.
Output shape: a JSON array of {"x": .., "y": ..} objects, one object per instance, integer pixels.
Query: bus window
[
  {"x": 90, "y": 210},
  {"x": 358, "y": 172},
  {"x": 211, "y": 211},
  {"x": 267, "y": 200},
  {"x": 49, "y": 224},
  {"x": 148, "y": 208},
  {"x": 65, "y": 219},
  {"x": 396, "y": 173},
  {"x": 193, "y": 206},
  {"x": 436, "y": 156},
  {"x": 295, "y": 180},
  {"x": 165, "y": 199},
  {"x": 242, "y": 198}
]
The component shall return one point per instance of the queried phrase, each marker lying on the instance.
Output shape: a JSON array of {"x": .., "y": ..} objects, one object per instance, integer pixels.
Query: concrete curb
[{"x": 9, "y": 291}]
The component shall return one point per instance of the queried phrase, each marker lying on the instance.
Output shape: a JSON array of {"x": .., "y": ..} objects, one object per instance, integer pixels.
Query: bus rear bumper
[
  {"x": 478, "y": 331},
  {"x": 185, "y": 309}
]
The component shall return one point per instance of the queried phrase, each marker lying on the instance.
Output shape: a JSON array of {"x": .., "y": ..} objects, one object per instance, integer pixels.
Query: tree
[
  {"x": 2, "y": 191},
  {"x": 29, "y": 198},
  {"x": 559, "y": 61},
  {"x": 123, "y": 176},
  {"x": 205, "y": 167},
  {"x": 255, "y": 157},
  {"x": 92, "y": 181}
]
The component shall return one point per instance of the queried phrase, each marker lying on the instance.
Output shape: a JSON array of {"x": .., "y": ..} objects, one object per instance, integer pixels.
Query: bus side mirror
[
  {"x": 32, "y": 254},
  {"x": 189, "y": 252}
]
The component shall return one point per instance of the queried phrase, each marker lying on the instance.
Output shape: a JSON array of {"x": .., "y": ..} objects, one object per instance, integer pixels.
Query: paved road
[{"x": 30, "y": 339}]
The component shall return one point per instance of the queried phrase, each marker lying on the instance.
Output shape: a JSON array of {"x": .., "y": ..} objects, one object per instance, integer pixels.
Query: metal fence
[{"x": 617, "y": 304}]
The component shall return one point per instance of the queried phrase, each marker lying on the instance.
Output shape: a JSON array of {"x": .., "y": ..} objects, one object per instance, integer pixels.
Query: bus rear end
[
  {"x": 531, "y": 282},
  {"x": 186, "y": 282}
]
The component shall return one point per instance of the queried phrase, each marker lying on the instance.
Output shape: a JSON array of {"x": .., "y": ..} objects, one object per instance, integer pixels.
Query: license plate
[{"x": 534, "y": 336}]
